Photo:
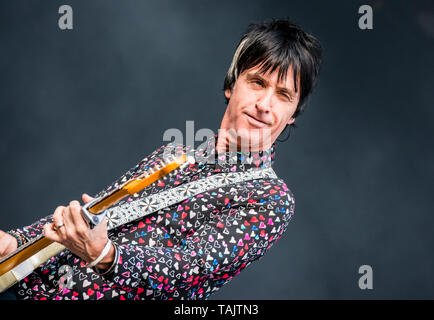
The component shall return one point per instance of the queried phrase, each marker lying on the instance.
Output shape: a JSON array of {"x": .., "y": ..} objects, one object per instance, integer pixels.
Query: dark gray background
[{"x": 80, "y": 107}]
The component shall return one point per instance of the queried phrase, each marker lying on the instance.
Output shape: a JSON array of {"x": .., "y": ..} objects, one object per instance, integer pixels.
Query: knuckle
[
  {"x": 58, "y": 211},
  {"x": 75, "y": 209},
  {"x": 74, "y": 203},
  {"x": 81, "y": 230},
  {"x": 47, "y": 232},
  {"x": 69, "y": 234}
]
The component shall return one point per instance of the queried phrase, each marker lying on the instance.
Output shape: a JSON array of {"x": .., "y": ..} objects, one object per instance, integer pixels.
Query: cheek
[
  {"x": 283, "y": 114},
  {"x": 245, "y": 95},
  {"x": 240, "y": 101}
]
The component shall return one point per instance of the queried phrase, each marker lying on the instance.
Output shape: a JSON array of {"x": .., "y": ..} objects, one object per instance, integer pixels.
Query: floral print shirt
[{"x": 188, "y": 250}]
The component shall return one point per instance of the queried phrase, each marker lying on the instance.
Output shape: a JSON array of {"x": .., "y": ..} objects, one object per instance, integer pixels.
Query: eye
[
  {"x": 285, "y": 96},
  {"x": 257, "y": 83}
]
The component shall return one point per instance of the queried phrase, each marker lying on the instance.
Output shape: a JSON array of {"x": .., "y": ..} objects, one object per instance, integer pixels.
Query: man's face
[{"x": 260, "y": 107}]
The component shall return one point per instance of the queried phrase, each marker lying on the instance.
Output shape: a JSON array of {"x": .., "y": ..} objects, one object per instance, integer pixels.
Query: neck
[
  {"x": 227, "y": 140},
  {"x": 251, "y": 140}
]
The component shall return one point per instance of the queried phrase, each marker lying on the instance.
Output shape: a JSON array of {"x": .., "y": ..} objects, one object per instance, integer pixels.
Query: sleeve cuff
[
  {"x": 21, "y": 239},
  {"x": 115, "y": 261}
]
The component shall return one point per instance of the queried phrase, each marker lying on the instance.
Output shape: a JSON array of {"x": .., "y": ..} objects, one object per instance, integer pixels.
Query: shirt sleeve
[{"x": 215, "y": 252}]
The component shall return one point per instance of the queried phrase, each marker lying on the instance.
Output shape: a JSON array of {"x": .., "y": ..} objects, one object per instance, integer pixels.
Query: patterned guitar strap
[{"x": 137, "y": 209}]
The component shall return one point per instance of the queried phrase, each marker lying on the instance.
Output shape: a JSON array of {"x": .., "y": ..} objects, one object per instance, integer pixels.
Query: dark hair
[{"x": 278, "y": 44}]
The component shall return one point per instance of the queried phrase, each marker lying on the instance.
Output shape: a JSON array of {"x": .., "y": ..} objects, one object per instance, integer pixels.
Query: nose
[{"x": 263, "y": 104}]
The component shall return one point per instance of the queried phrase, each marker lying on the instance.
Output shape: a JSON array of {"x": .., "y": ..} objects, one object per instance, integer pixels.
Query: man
[{"x": 190, "y": 249}]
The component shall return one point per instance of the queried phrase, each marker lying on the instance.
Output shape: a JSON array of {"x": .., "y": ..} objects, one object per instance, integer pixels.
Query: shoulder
[
  {"x": 281, "y": 190},
  {"x": 263, "y": 213},
  {"x": 271, "y": 187},
  {"x": 270, "y": 195}
]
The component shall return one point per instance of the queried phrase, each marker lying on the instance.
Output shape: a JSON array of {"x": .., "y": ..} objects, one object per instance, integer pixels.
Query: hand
[
  {"x": 76, "y": 235},
  {"x": 8, "y": 244}
]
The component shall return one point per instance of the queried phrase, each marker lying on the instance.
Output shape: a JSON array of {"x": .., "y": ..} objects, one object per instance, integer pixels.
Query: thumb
[{"x": 86, "y": 198}]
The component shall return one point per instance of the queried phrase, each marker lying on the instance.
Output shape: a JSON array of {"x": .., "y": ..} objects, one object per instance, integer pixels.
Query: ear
[
  {"x": 291, "y": 121},
  {"x": 228, "y": 93}
]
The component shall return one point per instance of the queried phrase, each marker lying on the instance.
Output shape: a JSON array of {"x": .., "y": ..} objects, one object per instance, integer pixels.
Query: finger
[
  {"x": 86, "y": 198},
  {"x": 50, "y": 234},
  {"x": 58, "y": 220},
  {"x": 7, "y": 243},
  {"x": 79, "y": 222},
  {"x": 67, "y": 218},
  {"x": 102, "y": 226}
]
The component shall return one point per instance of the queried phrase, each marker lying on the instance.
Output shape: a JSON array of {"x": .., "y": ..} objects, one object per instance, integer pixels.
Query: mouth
[{"x": 255, "y": 122}]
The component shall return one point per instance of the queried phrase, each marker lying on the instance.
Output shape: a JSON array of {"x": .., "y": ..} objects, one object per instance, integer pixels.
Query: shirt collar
[{"x": 206, "y": 154}]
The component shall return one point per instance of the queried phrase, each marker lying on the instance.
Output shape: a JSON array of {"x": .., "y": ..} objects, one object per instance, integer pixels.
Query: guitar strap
[{"x": 137, "y": 209}]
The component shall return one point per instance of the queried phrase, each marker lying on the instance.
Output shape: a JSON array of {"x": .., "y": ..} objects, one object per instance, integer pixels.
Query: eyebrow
[{"x": 252, "y": 75}]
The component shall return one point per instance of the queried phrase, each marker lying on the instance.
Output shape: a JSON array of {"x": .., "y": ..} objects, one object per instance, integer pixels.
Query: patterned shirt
[{"x": 188, "y": 250}]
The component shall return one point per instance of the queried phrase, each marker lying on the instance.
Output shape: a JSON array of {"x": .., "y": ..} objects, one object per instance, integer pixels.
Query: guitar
[{"x": 19, "y": 264}]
